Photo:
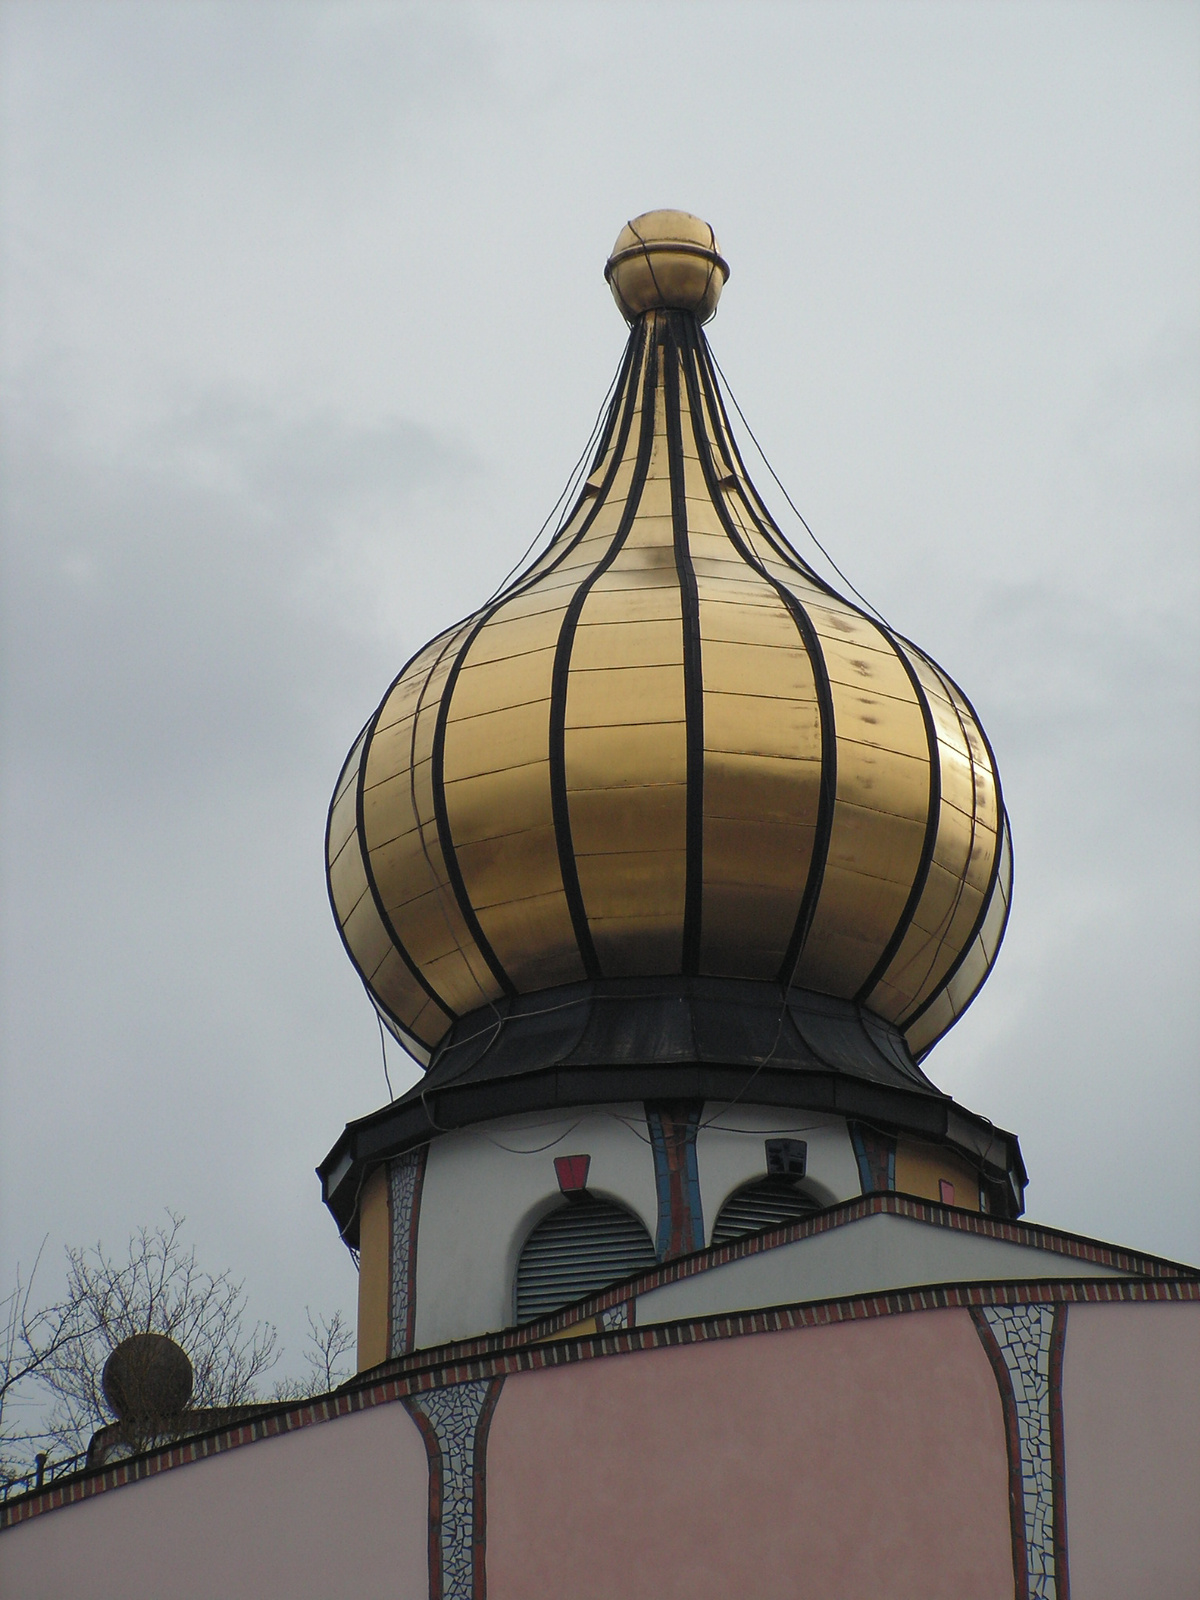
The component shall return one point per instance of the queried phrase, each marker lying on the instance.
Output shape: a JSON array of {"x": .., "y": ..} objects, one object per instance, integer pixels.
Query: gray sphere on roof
[{"x": 147, "y": 1376}]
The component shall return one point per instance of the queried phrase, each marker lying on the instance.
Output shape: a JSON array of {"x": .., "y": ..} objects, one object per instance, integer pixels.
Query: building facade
[{"x": 678, "y": 1274}]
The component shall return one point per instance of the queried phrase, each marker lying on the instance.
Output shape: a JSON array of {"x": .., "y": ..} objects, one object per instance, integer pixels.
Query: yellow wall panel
[
  {"x": 374, "y": 1271},
  {"x": 922, "y": 1168}
]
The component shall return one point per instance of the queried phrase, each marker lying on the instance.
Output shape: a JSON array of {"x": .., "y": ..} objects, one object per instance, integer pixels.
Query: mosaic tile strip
[
  {"x": 454, "y": 1423},
  {"x": 406, "y": 1176},
  {"x": 463, "y": 1363},
  {"x": 676, "y": 1176},
  {"x": 1024, "y": 1344},
  {"x": 875, "y": 1153},
  {"x": 930, "y": 1212},
  {"x": 614, "y": 1317}
]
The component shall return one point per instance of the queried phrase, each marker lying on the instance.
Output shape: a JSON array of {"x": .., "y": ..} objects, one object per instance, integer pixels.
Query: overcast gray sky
[{"x": 304, "y": 326}]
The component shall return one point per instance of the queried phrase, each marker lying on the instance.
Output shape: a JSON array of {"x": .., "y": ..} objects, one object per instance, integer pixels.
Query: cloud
[
  {"x": 303, "y": 328},
  {"x": 191, "y": 604}
]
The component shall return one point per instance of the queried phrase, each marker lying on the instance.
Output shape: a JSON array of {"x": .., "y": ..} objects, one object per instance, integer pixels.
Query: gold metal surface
[
  {"x": 683, "y": 657},
  {"x": 493, "y": 741},
  {"x": 533, "y": 936},
  {"x": 752, "y": 724},
  {"x": 605, "y": 697},
  {"x": 626, "y": 644},
  {"x": 633, "y": 883},
  {"x": 630, "y": 946},
  {"x": 762, "y": 788},
  {"x": 626, "y": 757},
  {"x": 489, "y": 805},
  {"x": 666, "y": 259},
  {"x": 745, "y": 931},
  {"x": 648, "y": 818}
]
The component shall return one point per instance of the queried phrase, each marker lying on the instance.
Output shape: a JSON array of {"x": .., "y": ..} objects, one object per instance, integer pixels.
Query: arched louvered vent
[
  {"x": 576, "y": 1251},
  {"x": 769, "y": 1203}
]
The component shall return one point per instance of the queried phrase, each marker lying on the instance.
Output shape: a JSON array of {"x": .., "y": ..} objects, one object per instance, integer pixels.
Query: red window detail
[{"x": 572, "y": 1172}]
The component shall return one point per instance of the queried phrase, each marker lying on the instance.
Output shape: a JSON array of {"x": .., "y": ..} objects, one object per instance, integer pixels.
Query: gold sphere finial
[{"x": 666, "y": 260}]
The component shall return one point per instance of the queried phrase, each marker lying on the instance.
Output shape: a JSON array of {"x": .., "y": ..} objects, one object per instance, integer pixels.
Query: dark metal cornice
[{"x": 619, "y": 1040}]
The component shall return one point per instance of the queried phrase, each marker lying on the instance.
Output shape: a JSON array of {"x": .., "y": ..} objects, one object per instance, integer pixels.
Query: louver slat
[
  {"x": 762, "y": 1205},
  {"x": 578, "y": 1250}
]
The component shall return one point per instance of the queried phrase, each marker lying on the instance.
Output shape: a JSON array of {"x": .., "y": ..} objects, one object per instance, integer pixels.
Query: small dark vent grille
[
  {"x": 578, "y": 1250},
  {"x": 767, "y": 1204}
]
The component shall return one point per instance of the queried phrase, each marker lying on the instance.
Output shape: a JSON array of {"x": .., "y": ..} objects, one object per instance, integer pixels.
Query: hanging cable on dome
[
  {"x": 875, "y": 611},
  {"x": 571, "y": 484},
  {"x": 383, "y": 1047}
]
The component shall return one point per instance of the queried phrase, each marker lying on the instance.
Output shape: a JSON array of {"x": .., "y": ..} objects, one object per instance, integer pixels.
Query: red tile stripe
[
  {"x": 454, "y": 1364},
  {"x": 1074, "y": 1246}
]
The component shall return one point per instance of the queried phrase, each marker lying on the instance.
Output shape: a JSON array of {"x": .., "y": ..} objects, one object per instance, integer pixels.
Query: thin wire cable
[
  {"x": 779, "y": 482},
  {"x": 942, "y": 932},
  {"x": 571, "y": 488},
  {"x": 944, "y": 926},
  {"x": 387, "y": 1077},
  {"x": 578, "y": 471},
  {"x": 571, "y": 485},
  {"x": 766, "y": 1060},
  {"x": 712, "y": 265},
  {"x": 767, "y": 1133},
  {"x": 540, "y": 1150}
]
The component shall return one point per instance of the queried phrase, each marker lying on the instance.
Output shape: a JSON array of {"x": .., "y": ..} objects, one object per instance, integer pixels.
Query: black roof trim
[{"x": 613, "y": 1040}]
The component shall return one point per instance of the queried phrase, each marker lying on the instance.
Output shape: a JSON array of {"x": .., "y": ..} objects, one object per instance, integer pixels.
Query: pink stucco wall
[
  {"x": 1131, "y": 1433},
  {"x": 848, "y": 1461},
  {"x": 335, "y": 1509}
]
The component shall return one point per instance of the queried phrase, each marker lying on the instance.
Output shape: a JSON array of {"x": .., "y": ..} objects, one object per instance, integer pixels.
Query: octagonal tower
[{"x": 667, "y": 827}]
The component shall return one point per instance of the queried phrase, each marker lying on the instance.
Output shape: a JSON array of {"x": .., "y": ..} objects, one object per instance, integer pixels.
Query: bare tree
[
  {"x": 158, "y": 1287},
  {"x": 52, "y": 1359},
  {"x": 330, "y": 1340},
  {"x": 31, "y": 1341}
]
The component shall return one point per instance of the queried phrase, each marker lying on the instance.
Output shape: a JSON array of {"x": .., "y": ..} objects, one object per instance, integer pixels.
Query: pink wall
[
  {"x": 859, "y": 1459},
  {"x": 848, "y": 1461},
  {"x": 339, "y": 1508},
  {"x": 1131, "y": 1430}
]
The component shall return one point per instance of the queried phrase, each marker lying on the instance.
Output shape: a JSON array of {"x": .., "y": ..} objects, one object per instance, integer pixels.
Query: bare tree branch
[
  {"x": 330, "y": 1340},
  {"x": 31, "y": 1342},
  {"x": 156, "y": 1287}
]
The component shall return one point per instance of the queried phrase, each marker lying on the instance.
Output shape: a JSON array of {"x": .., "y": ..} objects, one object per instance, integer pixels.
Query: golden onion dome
[
  {"x": 666, "y": 261},
  {"x": 669, "y": 748}
]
